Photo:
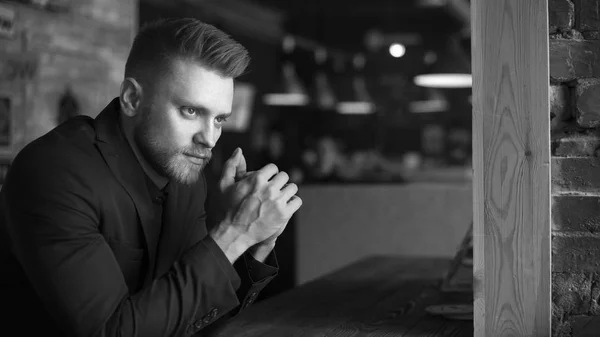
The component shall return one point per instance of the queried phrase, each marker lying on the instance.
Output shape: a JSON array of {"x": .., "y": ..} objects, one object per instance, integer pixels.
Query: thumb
[
  {"x": 230, "y": 168},
  {"x": 240, "y": 169}
]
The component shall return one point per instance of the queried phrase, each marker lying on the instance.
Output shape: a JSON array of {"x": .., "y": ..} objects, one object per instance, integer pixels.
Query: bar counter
[{"x": 375, "y": 296}]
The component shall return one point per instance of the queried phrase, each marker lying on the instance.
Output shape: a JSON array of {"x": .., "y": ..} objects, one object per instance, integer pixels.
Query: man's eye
[
  {"x": 189, "y": 111},
  {"x": 221, "y": 119}
]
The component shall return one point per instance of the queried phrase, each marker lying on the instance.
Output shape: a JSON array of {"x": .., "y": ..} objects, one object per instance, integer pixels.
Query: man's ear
[{"x": 130, "y": 97}]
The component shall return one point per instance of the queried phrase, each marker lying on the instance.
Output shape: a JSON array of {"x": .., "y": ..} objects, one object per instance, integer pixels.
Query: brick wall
[
  {"x": 575, "y": 124},
  {"x": 83, "y": 47}
]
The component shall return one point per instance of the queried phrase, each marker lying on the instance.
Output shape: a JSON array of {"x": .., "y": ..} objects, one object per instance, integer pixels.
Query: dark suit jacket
[{"x": 82, "y": 252}]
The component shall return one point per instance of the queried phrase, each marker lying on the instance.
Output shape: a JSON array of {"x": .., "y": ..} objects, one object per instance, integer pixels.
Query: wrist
[
  {"x": 230, "y": 240},
  {"x": 261, "y": 250},
  {"x": 270, "y": 242}
]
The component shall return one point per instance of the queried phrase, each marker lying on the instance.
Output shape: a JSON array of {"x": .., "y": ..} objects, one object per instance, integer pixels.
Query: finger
[
  {"x": 279, "y": 180},
  {"x": 288, "y": 191},
  {"x": 230, "y": 169},
  {"x": 240, "y": 170},
  {"x": 294, "y": 203},
  {"x": 267, "y": 172}
]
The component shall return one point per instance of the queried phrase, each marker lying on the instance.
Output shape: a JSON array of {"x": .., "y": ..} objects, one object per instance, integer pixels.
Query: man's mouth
[{"x": 197, "y": 159}]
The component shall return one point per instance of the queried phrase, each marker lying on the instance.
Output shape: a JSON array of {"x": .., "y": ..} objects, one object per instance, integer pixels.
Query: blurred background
[{"x": 366, "y": 104}]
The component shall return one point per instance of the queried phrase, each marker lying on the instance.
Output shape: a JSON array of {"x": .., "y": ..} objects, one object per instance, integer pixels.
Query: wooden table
[{"x": 377, "y": 296}]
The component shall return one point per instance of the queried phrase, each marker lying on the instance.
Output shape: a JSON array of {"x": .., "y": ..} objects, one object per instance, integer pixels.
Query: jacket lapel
[
  {"x": 180, "y": 214},
  {"x": 122, "y": 162}
]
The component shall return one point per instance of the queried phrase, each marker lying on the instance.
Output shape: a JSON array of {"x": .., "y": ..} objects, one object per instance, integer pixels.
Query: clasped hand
[{"x": 260, "y": 203}]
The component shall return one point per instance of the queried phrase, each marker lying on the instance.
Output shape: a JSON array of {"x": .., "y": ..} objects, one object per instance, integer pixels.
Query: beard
[{"x": 167, "y": 160}]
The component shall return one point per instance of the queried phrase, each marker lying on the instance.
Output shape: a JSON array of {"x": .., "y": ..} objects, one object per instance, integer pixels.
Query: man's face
[{"x": 180, "y": 119}]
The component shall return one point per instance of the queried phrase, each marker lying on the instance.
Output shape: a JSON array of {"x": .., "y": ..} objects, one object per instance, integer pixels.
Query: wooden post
[{"x": 511, "y": 159}]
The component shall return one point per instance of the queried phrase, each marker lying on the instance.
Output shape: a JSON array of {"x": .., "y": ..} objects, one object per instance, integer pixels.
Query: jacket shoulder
[
  {"x": 66, "y": 153},
  {"x": 66, "y": 141}
]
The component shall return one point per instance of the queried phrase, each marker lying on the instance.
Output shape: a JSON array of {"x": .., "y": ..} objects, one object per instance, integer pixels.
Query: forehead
[{"x": 196, "y": 85}]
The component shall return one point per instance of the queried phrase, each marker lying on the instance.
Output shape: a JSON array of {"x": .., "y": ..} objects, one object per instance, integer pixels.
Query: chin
[
  {"x": 187, "y": 179},
  {"x": 186, "y": 174}
]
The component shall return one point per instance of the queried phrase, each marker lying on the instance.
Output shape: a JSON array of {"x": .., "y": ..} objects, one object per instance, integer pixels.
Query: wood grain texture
[
  {"x": 377, "y": 297},
  {"x": 511, "y": 151}
]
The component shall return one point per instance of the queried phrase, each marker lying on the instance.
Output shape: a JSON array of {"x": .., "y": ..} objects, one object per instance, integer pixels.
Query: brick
[
  {"x": 117, "y": 13},
  {"x": 84, "y": 48},
  {"x": 556, "y": 124},
  {"x": 579, "y": 174},
  {"x": 568, "y": 34},
  {"x": 576, "y": 213},
  {"x": 561, "y": 328},
  {"x": 559, "y": 105},
  {"x": 595, "y": 297},
  {"x": 575, "y": 142},
  {"x": 76, "y": 35},
  {"x": 559, "y": 101},
  {"x": 588, "y": 14},
  {"x": 571, "y": 293},
  {"x": 587, "y": 103},
  {"x": 571, "y": 59},
  {"x": 575, "y": 254},
  {"x": 561, "y": 15},
  {"x": 585, "y": 326}
]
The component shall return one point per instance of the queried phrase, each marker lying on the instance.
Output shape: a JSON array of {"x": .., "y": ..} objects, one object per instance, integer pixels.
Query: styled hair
[{"x": 159, "y": 42}]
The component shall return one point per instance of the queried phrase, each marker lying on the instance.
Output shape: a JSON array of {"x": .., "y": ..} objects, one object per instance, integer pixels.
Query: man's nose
[{"x": 206, "y": 137}]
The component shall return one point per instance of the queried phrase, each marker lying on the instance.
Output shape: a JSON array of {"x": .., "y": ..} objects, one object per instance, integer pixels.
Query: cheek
[
  {"x": 218, "y": 133},
  {"x": 181, "y": 133},
  {"x": 166, "y": 130}
]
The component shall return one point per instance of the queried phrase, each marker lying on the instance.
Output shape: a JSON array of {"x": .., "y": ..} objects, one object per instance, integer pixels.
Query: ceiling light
[
  {"x": 355, "y": 108},
  {"x": 354, "y": 96},
  {"x": 430, "y": 57},
  {"x": 285, "y": 99},
  {"x": 428, "y": 106},
  {"x": 452, "y": 69},
  {"x": 431, "y": 3},
  {"x": 444, "y": 80},
  {"x": 289, "y": 90},
  {"x": 397, "y": 50},
  {"x": 430, "y": 100}
]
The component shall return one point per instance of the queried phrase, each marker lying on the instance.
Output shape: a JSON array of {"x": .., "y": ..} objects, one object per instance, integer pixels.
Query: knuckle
[
  {"x": 279, "y": 208},
  {"x": 271, "y": 192},
  {"x": 255, "y": 182},
  {"x": 273, "y": 167},
  {"x": 243, "y": 189}
]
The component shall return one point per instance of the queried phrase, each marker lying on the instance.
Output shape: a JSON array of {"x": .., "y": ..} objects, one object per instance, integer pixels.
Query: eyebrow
[{"x": 201, "y": 107}]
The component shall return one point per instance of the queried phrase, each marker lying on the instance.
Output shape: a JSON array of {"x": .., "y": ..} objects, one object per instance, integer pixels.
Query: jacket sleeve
[
  {"x": 53, "y": 228},
  {"x": 253, "y": 275}
]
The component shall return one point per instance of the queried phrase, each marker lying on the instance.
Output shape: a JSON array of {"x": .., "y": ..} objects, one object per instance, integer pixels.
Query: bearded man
[{"x": 102, "y": 221}]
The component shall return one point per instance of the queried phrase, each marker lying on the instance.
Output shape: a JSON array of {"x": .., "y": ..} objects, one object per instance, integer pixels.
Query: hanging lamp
[
  {"x": 452, "y": 69},
  {"x": 356, "y": 99},
  {"x": 289, "y": 91}
]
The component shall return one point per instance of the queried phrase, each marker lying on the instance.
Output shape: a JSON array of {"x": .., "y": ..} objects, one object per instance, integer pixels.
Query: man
[{"x": 102, "y": 228}]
